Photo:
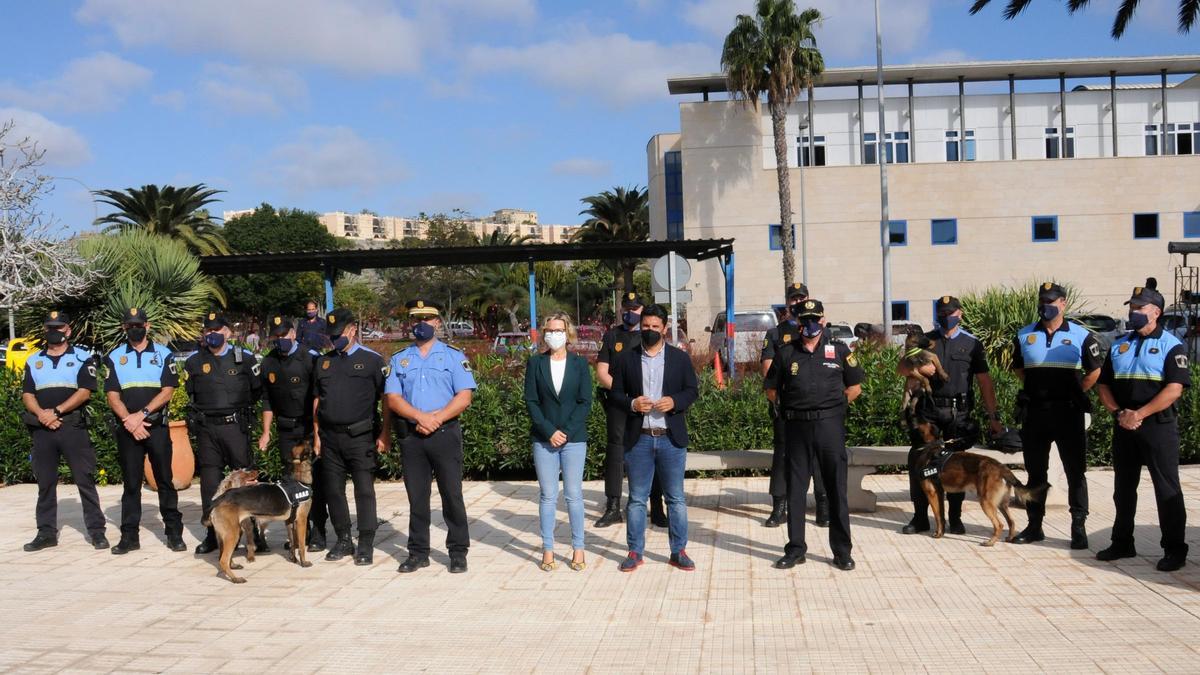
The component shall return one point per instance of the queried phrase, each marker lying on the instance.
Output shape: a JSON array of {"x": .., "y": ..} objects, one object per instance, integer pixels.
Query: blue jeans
[
  {"x": 649, "y": 455},
  {"x": 550, "y": 462}
]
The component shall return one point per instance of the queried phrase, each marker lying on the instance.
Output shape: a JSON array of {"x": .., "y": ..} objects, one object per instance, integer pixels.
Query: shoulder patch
[
  {"x": 1031, "y": 339},
  {"x": 173, "y": 367},
  {"x": 387, "y": 369},
  {"x": 91, "y": 370},
  {"x": 1123, "y": 348},
  {"x": 325, "y": 364},
  {"x": 1181, "y": 360},
  {"x": 466, "y": 365},
  {"x": 795, "y": 369},
  {"x": 1094, "y": 349},
  {"x": 618, "y": 346},
  {"x": 403, "y": 363},
  {"x": 852, "y": 360}
]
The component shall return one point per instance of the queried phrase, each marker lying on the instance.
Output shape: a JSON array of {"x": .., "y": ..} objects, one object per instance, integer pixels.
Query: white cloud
[
  {"x": 615, "y": 68},
  {"x": 92, "y": 83},
  {"x": 63, "y": 145},
  {"x": 356, "y": 36},
  {"x": 519, "y": 10},
  {"x": 330, "y": 158},
  {"x": 581, "y": 166},
  {"x": 847, "y": 32},
  {"x": 252, "y": 89},
  {"x": 173, "y": 99}
]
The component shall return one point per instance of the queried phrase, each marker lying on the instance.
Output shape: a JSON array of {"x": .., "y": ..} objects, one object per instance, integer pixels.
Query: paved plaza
[{"x": 913, "y": 605}]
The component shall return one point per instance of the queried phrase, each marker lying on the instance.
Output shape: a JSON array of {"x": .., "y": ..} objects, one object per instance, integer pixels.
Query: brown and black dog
[
  {"x": 265, "y": 502},
  {"x": 959, "y": 471},
  {"x": 917, "y": 354}
]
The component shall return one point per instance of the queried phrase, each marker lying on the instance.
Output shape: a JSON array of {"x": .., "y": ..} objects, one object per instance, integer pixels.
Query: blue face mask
[
  {"x": 810, "y": 328},
  {"x": 1137, "y": 321},
  {"x": 949, "y": 323},
  {"x": 312, "y": 313},
  {"x": 1048, "y": 312},
  {"x": 340, "y": 343},
  {"x": 214, "y": 340},
  {"x": 631, "y": 319},
  {"x": 422, "y": 332},
  {"x": 284, "y": 345}
]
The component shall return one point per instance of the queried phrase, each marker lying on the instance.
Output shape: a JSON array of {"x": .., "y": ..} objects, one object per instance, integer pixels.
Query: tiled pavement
[{"x": 913, "y": 605}]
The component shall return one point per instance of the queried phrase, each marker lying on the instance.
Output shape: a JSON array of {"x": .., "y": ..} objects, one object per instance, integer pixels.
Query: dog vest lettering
[
  {"x": 296, "y": 492},
  {"x": 936, "y": 464}
]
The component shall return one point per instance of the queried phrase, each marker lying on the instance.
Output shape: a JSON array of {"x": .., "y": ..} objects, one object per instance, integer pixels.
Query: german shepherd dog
[
  {"x": 917, "y": 354},
  {"x": 236, "y": 479},
  {"x": 265, "y": 502},
  {"x": 991, "y": 480}
]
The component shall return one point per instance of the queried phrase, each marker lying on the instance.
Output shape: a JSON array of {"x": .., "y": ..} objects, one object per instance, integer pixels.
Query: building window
[
  {"x": 899, "y": 310},
  {"x": 1183, "y": 139},
  {"x": 1052, "y": 134},
  {"x": 1191, "y": 224},
  {"x": 898, "y": 232},
  {"x": 953, "y": 147},
  {"x": 1045, "y": 228},
  {"x": 775, "y": 237},
  {"x": 870, "y": 147},
  {"x": 1151, "y": 140},
  {"x": 895, "y": 147},
  {"x": 673, "y": 179},
  {"x": 1145, "y": 226},
  {"x": 943, "y": 231},
  {"x": 818, "y": 151}
]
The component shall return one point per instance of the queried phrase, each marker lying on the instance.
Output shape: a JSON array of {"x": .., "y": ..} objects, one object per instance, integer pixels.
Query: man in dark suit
[{"x": 656, "y": 384}]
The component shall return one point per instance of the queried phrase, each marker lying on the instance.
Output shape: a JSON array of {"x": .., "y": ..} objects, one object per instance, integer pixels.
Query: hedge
[{"x": 496, "y": 427}]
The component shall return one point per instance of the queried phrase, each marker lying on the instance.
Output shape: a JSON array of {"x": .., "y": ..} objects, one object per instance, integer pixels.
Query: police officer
[
  {"x": 1058, "y": 360},
  {"x": 59, "y": 380},
  {"x": 312, "y": 331},
  {"x": 787, "y": 331},
  {"x": 813, "y": 380},
  {"x": 223, "y": 384},
  {"x": 288, "y": 402},
  {"x": 951, "y": 404},
  {"x": 350, "y": 433},
  {"x": 617, "y": 341},
  {"x": 1145, "y": 374},
  {"x": 429, "y": 387},
  {"x": 142, "y": 377}
]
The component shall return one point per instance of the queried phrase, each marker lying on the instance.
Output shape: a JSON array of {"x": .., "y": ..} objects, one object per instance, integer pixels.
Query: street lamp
[
  {"x": 803, "y": 221},
  {"x": 884, "y": 231}
]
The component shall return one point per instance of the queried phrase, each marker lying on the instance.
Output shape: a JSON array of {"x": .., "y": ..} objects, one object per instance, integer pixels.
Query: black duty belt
[
  {"x": 218, "y": 419},
  {"x": 813, "y": 415},
  {"x": 354, "y": 428},
  {"x": 950, "y": 401},
  {"x": 655, "y": 432},
  {"x": 289, "y": 422}
]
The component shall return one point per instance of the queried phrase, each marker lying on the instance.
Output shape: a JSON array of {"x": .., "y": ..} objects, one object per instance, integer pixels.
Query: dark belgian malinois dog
[
  {"x": 288, "y": 501},
  {"x": 918, "y": 353},
  {"x": 946, "y": 469}
]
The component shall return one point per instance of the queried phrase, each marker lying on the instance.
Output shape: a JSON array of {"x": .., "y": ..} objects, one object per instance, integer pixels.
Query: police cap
[
  {"x": 1147, "y": 295},
  {"x": 796, "y": 290},
  {"x": 56, "y": 319},
  {"x": 134, "y": 316},
  {"x": 631, "y": 300},
  {"x": 1050, "y": 291},
  {"x": 946, "y": 305},
  {"x": 279, "y": 325},
  {"x": 419, "y": 308},
  {"x": 338, "y": 320},
  {"x": 811, "y": 309},
  {"x": 215, "y": 321}
]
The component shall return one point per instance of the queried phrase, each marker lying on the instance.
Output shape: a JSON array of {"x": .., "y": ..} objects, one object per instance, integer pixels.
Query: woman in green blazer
[{"x": 558, "y": 395}]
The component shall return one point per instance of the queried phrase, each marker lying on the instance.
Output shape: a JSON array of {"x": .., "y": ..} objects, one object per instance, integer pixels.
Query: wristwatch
[
  {"x": 146, "y": 412},
  {"x": 58, "y": 413}
]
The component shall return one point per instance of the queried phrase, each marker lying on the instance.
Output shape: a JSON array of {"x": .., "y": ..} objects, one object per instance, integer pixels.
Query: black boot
[
  {"x": 316, "y": 538},
  {"x": 919, "y": 522},
  {"x": 209, "y": 544},
  {"x": 342, "y": 548},
  {"x": 364, "y": 554},
  {"x": 1079, "y": 539},
  {"x": 1033, "y": 532},
  {"x": 612, "y": 513},
  {"x": 778, "y": 512},
  {"x": 956, "y": 523},
  {"x": 175, "y": 541},
  {"x": 40, "y": 542},
  {"x": 822, "y": 511},
  {"x": 129, "y": 542},
  {"x": 658, "y": 515},
  {"x": 260, "y": 542}
]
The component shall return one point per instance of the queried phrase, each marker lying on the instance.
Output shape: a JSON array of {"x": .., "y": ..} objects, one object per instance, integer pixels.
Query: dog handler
[
  {"x": 951, "y": 404},
  {"x": 1145, "y": 374},
  {"x": 813, "y": 381},
  {"x": 288, "y": 402},
  {"x": 1058, "y": 360}
]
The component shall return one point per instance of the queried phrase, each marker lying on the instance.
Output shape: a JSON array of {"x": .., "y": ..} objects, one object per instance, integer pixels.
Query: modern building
[
  {"x": 368, "y": 228},
  {"x": 1083, "y": 183}
]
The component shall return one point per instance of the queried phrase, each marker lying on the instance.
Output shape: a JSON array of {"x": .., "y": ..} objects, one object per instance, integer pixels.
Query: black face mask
[
  {"x": 136, "y": 334},
  {"x": 55, "y": 337},
  {"x": 650, "y": 337}
]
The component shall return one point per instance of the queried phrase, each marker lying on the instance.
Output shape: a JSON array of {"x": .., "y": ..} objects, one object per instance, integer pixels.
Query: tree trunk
[
  {"x": 628, "y": 269},
  {"x": 782, "y": 173},
  {"x": 512, "y": 319}
]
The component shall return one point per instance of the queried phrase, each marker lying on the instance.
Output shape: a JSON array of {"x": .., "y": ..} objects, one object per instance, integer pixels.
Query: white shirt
[
  {"x": 652, "y": 384},
  {"x": 557, "y": 370}
]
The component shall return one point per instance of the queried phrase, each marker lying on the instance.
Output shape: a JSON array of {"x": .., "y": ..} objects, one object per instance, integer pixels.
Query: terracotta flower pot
[{"x": 183, "y": 462}]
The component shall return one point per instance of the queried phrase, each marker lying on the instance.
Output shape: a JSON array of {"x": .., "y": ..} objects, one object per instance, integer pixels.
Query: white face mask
[{"x": 556, "y": 339}]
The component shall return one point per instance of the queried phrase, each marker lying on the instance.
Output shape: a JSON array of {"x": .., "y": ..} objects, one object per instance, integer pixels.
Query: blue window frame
[
  {"x": 775, "y": 237},
  {"x": 1045, "y": 228},
  {"x": 1191, "y": 224},
  {"x": 673, "y": 179},
  {"x": 1145, "y": 226},
  {"x": 898, "y": 232},
  {"x": 943, "y": 231},
  {"x": 899, "y": 310}
]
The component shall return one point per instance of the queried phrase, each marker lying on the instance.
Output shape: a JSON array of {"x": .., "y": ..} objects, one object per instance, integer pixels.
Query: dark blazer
[
  {"x": 679, "y": 382},
  {"x": 566, "y": 410}
]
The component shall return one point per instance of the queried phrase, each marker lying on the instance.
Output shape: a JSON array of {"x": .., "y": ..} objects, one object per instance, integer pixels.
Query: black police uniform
[
  {"x": 287, "y": 385},
  {"x": 138, "y": 377},
  {"x": 348, "y": 386},
  {"x": 949, "y": 407},
  {"x": 810, "y": 388},
  {"x": 1136, "y": 370},
  {"x": 1055, "y": 404},
  {"x": 223, "y": 388},
  {"x": 52, "y": 380},
  {"x": 786, "y": 333}
]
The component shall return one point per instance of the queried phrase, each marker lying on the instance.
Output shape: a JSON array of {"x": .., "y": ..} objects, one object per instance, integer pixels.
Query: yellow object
[{"x": 19, "y": 351}]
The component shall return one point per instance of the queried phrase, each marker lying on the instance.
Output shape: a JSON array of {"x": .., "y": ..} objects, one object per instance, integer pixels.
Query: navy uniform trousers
[
  {"x": 132, "y": 454},
  {"x": 438, "y": 455},
  {"x": 69, "y": 441},
  {"x": 812, "y": 443}
]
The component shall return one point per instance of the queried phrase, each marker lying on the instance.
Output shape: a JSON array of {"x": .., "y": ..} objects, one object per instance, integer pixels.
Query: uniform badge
[
  {"x": 1123, "y": 348},
  {"x": 466, "y": 365},
  {"x": 154, "y": 361},
  {"x": 332, "y": 319},
  {"x": 420, "y": 304},
  {"x": 766, "y": 342},
  {"x": 359, "y": 366},
  {"x": 403, "y": 363},
  {"x": 325, "y": 365},
  {"x": 787, "y": 337},
  {"x": 278, "y": 321},
  {"x": 37, "y": 364},
  {"x": 271, "y": 378},
  {"x": 795, "y": 368},
  {"x": 1181, "y": 361},
  {"x": 70, "y": 364},
  {"x": 1066, "y": 342},
  {"x": 618, "y": 347},
  {"x": 945, "y": 299},
  {"x": 1094, "y": 350},
  {"x": 1154, "y": 350},
  {"x": 1047, "y": 286},
  {"x": 232, "y": 371},
  {"x": 810, "y": 304},
  {"x": 53, "y": 315},
  {"x": 830, "y": 352},
  {"x": 1032, "y": 339},
  {"x": 124, "y": 360},
  {"x": 852, "y": 360},
  {"x": 206, "y": 369}
]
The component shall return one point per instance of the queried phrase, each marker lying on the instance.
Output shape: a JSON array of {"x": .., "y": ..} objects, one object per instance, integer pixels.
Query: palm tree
[
  {"x": 775, "y": 52},
  {"x": 617, "y": 215},
  {"x": 173, "y": 212},
  {"x": 498, "y": 238},
  {"x": 503, "y": 284},
  {"x": 1188, "y": 11}
]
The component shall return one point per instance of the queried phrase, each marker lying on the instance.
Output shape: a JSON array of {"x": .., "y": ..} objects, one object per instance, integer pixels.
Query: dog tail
[{"x": 1023, "y": 492}]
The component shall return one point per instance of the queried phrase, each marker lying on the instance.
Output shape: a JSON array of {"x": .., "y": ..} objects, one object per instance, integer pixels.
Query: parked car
[
  {"x": 372, "y": 334},
  {"x": 460, "y": 328},
  {"x": 902, "y": 329},
  {"x": 749, "y": 328},
  {"x": 589, "y": 338},
  {"x": 1105, "y": 328},
  {"x": 843, "y": 332},
  {"x": 19, "y": 350},
  {"x": 511, "y": 343}
]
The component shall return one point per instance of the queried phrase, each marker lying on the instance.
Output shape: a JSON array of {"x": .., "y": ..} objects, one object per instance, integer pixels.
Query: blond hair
[{"x": 572, "y": 335}]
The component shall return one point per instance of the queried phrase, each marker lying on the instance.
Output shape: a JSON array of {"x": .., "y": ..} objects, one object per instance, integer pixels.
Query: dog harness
[
  {"x": 297, "y": 493},
  {"x": 936, "y": 464}
]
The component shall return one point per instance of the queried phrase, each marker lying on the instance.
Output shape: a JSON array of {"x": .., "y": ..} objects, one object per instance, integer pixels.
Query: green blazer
[{"x": 566, "y": 410}]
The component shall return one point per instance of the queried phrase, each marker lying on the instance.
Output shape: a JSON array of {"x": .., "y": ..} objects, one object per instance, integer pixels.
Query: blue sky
[{"x": 429, "y": 105}]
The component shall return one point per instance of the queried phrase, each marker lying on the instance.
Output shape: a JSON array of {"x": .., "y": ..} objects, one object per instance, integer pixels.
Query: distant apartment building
[{"x": 368, "y": 228}]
